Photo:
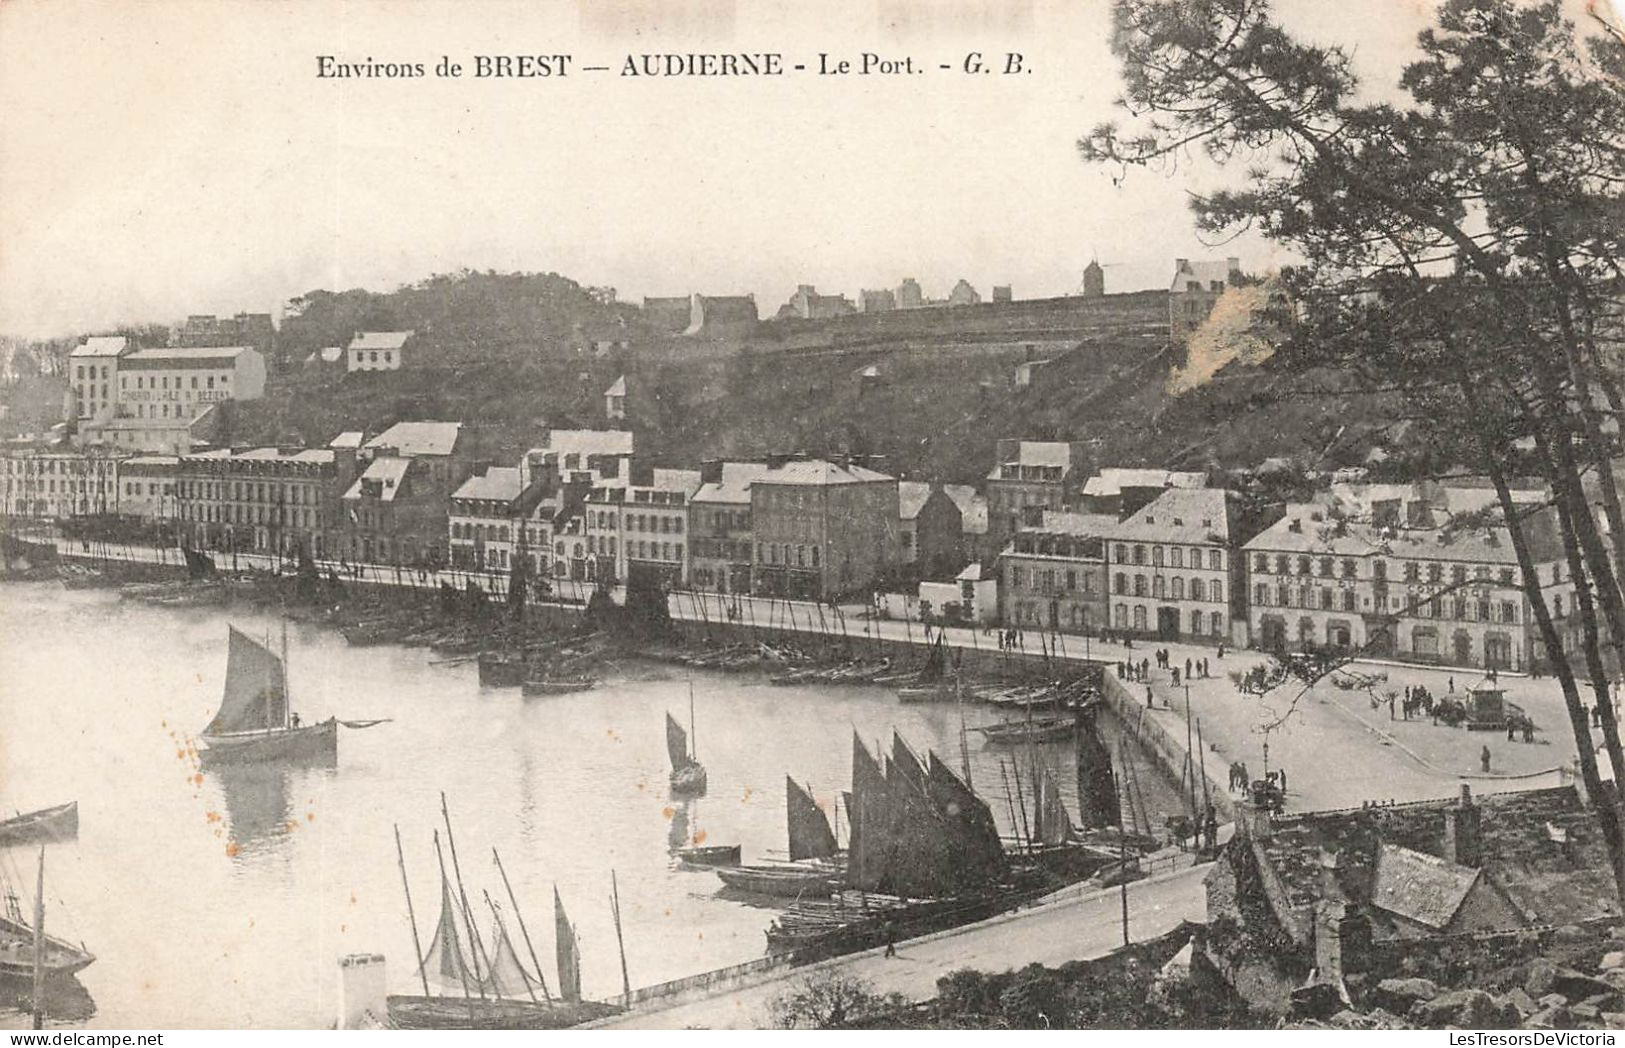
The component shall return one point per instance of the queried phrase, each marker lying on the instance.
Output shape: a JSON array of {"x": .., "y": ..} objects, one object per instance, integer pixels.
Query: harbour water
[{"x": 217, "y": 899}]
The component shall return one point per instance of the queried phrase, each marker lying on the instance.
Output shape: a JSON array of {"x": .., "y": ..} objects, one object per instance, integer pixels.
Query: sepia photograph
[{"x": 923, "y": 515}]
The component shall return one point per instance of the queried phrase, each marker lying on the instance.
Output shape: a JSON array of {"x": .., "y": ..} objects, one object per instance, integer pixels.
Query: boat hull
[
  {"x": 313, "y": 743},
  {"x": 61, "y": 959},
  {"x": 557, "y": 687},
  {"x": 711, "y": 855},
  {"x": 780, "y": 882},
  {"x": 60, "y": 823},
  {"x": 501, "y": 671},
  {"x": 446, "y": 1012}
]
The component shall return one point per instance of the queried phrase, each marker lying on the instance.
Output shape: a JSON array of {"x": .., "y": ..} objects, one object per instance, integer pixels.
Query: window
[
  {"x": 1261, "y": 595},
  {"x": 1413, "y": 571},
  {"x": 1348, "y": 569},
  {"x": 1156, "y": 556},
  {"x": 1179, "y": 588},
  {"x": 1261, "y": 564},
  {"x": 1216, "y": 591},
  {"x": 1120, "y": 583},
  {"x": 1325, "y": 567},
  {"x": 1215, "y": 560},
  {"x": 1139, "y": 554},
  {"x": 1139, "y": 585},
  {"x": 1509, "y": 613},
  {"x": 1303, "y": 565},
  {"x": 1435, "y": 572},
  {"x": 1018, "y": 577},
  {"x": 1157, "y": 586},
  {"x": 1506, "y": 577},
  {"x": 1348, "y": 600},
  {"x": 1197, "y": 589},
  {"x": 1458, "y": 574},
  {"x": 1216, "y": 619},
  {"x": 1176, "y": 557}
]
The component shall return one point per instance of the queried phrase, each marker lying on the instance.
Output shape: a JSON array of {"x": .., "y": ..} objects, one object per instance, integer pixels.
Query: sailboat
[
  {"x": 687, "y": 773},
  {"x": 26, "y": 951},
  {"x": 812, "y": 872},
  {"x": 255, "y": 723},
  {"x": 489, "y": 989}
]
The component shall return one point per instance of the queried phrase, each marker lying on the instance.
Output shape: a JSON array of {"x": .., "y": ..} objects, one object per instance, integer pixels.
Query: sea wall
[{"x": 1169, "y": 753}]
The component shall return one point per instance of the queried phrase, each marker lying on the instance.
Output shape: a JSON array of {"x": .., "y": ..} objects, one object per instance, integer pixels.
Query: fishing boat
[
  {"x": 558, "y": 685},
  {"x": 688, "y": 778},
  {"x": 60, "y": 823},
  {"x": 488, "y": 987},
  {"x": 502, "y": 669},
  {"x": 710, "y": 855},
  {"x": 1048, "y": 730},
  {"x": 783, "y": 882},
  {"x": 27, "y": 952},
  {"x": 255, "y": 723}
]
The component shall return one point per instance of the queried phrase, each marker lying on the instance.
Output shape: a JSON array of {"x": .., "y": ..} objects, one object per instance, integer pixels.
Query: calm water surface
[{"x": 224, "y": 899}]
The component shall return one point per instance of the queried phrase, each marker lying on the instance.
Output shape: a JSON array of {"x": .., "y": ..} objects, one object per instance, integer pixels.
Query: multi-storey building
[
  {"x": 147, "y": 488},
  {"x": 1028, "y": 478},
  {"x": 1053, "y": 576},
  {"x": 1376, "y": 570},
  {"x": 721, "y": 549},
  {"x": 637, "y": 531},
  {"x": 821, "y": 528},
  {"x": 398, "y": 510},
  {"x": 1171, "y": 567},
  {"x": 1195, "y": 290},
  {"x": 255, "y": 330},
  {"x": 93, "y": 368},
  {"x": 178, "y": 383},
  {"x": 275, "y": 500},
  {"x": 50, "y": 482},
  {"x": 930, "y": 528},
  {"x": 486, "y": 520}
]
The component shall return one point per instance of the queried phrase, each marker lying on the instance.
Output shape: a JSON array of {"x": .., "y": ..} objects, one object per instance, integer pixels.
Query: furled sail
[
  {"x": 810, "y": 835},
  {"x": 444, "y": 961},
  {"x": 677, "y": 743},
  {"x": 1097, "y": 781},
  {"x": 255, "y": 696},
  {"x": 567, "y": 951},
  {"x": 920, "y": 860}
]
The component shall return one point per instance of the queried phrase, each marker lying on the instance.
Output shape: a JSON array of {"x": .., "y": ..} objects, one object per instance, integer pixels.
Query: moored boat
[
  {"x": 451, "y": 1012},
  {"x": 502, "y": 669},
  {"x": 59, "y": 823},
  {"x": 783, "y": 882},
  {"x": 1051, "y": 730},
  {"x": 688, "y": 778},
  {"x": 561, "y": 685},
  {"x": 710, "y": 855}
]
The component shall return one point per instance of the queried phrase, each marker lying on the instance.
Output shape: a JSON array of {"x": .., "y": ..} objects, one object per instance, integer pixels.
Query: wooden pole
[
  {"x": 417, "y": 944},
  {"x": 1122, "y": 845},
  {"x": 520, "y": 917},
  {"x": 615, "y": 908},
  {"x": 39, "y": 943}
]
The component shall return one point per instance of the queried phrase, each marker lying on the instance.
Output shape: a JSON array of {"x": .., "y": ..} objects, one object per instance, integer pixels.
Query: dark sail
[
  {"x": 255, "y": 695},
  {"x": 567, "y": 951},
  {"x": 518, "y": 581},
  {"x": 869, "y": 813},
  {"x": 1054, "y": 823},
  {"x": 1097, "y": 782},
  {"x": 677, "y": 743},
  {"x": 979, "y": 857},
  {"x": 810, "y": 835},
  {"x": 919, "y": 859}
]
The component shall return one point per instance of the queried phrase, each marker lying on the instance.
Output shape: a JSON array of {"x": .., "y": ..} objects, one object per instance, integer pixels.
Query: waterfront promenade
[{"x": 1336, "y": 748}]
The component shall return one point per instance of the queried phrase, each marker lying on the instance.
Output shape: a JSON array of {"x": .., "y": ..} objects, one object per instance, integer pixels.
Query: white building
[
  {"x": 640, "y": 527},
  {"x": 93, "y": 369},
  {"x": 50, "y": 482},
  {"x": 184, "y": 383},
  {"x": 377, "y": 351},
  {"x": 1170, "y": 567},
  {"x": 146, "y": 487}
]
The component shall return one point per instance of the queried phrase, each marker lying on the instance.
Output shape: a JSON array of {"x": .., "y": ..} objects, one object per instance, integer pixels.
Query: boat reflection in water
[
  {"x": 258, "y": 810},
  {"x": 67, "y": 1002}
]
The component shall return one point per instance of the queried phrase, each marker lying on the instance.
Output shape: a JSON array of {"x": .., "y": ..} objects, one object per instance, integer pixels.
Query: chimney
[
  {"x": 362, "y": 990},
  {"x": 1181, "y": 264},
  {"x": 776, "y": 459},
  {"x": 1463, "y": 836},
  {"x": 711, "y": 471}
]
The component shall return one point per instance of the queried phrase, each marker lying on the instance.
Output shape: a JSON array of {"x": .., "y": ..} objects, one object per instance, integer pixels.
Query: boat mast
[
  {"x": 287, "y": 691},
  {"x": 476, "y": 947},
  {"x": 39, "y": 943},
  {"x": 615, "y": 908},
  {"x": 522, "y": 930},
  {"x": 693, "y": 750},
  {"x": 417, "y": 945}
]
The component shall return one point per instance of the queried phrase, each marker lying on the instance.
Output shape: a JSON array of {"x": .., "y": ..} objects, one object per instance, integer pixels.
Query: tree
[
  {"x": 1461, "y": 251},
  {"x": 828, "y": 1000}
]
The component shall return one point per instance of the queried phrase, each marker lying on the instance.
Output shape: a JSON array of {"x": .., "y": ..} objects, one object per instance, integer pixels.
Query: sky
[{"x": 173, "y": 157}]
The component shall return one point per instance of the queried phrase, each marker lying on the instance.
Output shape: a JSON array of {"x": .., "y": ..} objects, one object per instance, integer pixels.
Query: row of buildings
[{"x": 1422, "y": 571}]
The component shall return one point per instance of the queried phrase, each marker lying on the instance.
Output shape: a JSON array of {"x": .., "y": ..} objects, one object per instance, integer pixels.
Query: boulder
[
  {"x": 1613, "y": 1020},
  {"x": 1470, "y": 1009},
  {"x": 1399, "y": 995},
  {"x": 1553, "y": 1018},
  {"x": 1614, "y": 977},
  {"x": 1553, "y": 1000},
  {"x": 1585, "y": 1013},
  {"x": 1605, "y": 1002},
  {"x": 1577, "y": 986},
  {"x": 1522, "y": 1001},
  {"x": 1538, "y": 982},
  {"x": 1613, "y": 959}
]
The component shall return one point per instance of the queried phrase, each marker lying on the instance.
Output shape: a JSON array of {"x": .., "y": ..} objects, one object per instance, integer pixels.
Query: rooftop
[
  {"x": 101, "y": 346},
  {"x": 349, "y": 439},
  {"x": 617, "y": 388},
  {"x": 1192, "y": 516},
  {"x": 418, "y": 438},
  {"x": 586, "y": 442},
  {"x": 499, "y": 483},
  {"x": 380, "y": 339},
  {"x": 389, "y": 472},
  {"x": 1420, "y": 887},
  {"x": 734, "y": 488},
  {"x": 820, "y": 473},
  {"x": 1112, "y": 480}
]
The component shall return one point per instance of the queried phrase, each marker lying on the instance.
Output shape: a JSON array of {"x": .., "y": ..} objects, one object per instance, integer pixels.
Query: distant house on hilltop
[
  {"x": 377, "y": 351},
  {"x": 1195, "y": 289}
]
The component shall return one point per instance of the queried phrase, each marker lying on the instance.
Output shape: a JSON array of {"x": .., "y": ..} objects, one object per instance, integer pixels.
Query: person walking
[
  {"x": 1484, "y": 759},
  {"x": 891, "y": 938}
]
